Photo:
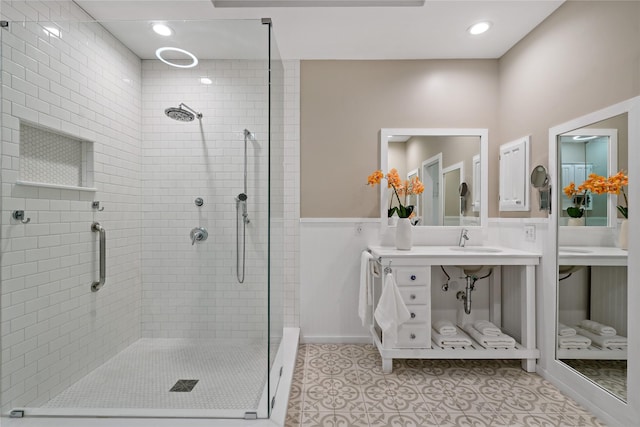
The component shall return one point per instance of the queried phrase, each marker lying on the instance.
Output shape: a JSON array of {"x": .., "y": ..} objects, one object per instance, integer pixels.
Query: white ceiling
[{"x": 436, "y": 30}]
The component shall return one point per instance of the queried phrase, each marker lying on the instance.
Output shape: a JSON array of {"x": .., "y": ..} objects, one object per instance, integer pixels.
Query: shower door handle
[{"x": 95, "y": 286}]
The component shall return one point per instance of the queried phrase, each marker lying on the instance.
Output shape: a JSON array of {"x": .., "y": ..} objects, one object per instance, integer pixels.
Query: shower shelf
[
  {"x": 50, "y": 158},
  {"x": 58, "y": 186}
]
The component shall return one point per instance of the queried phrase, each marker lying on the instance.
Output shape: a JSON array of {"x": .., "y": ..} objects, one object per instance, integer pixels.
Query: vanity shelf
[
  {"x": 425, "y": 258},
  {"x": 603, "y": 262}
]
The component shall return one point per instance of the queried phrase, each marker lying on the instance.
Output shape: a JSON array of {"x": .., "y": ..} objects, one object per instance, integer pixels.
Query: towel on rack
[
  {"x": 364, "y": 296},
  {"x": 575, "y": 342},
  {"x": 487, "y": 328},
  {"x": 459, "y": 339},
  {"x": 444, "y": 327},
  {"x": 597, "y": 328},
  {"x": 391, "y": 311},
  {"x": 603, "y": 341},
  {"x": 490, "y": 341},
  {"x": 565, "y": 331}
]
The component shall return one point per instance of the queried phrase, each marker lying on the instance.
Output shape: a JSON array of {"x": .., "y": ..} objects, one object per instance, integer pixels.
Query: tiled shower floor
[
  {"x": 230, "y": 376},
  {"x": 343, "y": 385}
]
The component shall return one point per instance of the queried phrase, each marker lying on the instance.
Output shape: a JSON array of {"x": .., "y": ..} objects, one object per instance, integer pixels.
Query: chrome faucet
[{"x": 463, "y": 237}]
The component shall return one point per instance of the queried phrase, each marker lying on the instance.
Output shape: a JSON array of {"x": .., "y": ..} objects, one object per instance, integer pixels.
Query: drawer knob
[
  {"x": 412, "y": 296},
  {"x": 413, "y": 315},
  {"x": 413, "y": 277},
  {"x": 412, "y": 336}
]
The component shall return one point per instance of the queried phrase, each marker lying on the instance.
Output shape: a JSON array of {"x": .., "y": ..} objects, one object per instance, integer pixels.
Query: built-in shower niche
[{"x": 52, "y": 159}]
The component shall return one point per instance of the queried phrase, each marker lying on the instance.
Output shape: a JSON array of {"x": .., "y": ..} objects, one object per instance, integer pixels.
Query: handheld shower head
[{"x": 182, "y": 115}]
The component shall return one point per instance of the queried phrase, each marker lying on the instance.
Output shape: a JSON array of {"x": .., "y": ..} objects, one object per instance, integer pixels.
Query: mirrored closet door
[{"x": 591, "y": 288}]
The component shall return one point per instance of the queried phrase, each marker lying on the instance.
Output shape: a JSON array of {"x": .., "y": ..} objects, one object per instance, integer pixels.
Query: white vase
[
  {"x": 392, "y": 221},
  {"x": 623, "y": 237},
  {"x": 404, "y": 236},
  {"x": 575, "y": 221}
]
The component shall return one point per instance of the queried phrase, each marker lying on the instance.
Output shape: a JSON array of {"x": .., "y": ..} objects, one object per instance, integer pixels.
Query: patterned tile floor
[
  {"x": 609, "y": 374},
  {"x": 344, "y": 386}
]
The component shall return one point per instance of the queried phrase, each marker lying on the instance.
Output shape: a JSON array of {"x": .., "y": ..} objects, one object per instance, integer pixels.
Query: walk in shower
[{"x": 145, "y": 135}]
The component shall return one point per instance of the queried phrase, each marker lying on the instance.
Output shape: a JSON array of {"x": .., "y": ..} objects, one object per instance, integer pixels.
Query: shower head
[
  {"x": 242, "y": 197},
  {"x": 182, "y": 114}
]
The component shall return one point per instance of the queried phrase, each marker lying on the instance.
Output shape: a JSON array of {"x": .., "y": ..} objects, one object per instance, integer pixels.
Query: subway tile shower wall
[
  {"x": 54, "y": 329},
  {"x": 148, "y": 171},
  {"x": 192, "y": 290}
]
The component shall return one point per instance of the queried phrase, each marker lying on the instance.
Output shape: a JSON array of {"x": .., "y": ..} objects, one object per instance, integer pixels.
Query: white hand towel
[
  {"x": 565, "y": 331},
  {"x": 488, "y": 341},
  {"x": 597, "y": 328},
  {"x": 444, "y": 327},
  {"x": 574, "y": 342},
  {"x": 391, "y": 311},
  {"x": 603, "y": 341},
  {"x": 364, "y": 299},
  {"x": 459, "y": 339},
  {"x": 487, "y": 328}
]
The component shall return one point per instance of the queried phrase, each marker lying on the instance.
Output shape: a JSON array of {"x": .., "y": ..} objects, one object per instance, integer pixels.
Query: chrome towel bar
[{"x": 95, "y": 286}]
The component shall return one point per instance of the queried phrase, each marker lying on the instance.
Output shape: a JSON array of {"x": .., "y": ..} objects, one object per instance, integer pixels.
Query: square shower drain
[{"x": 184, "y": 385}]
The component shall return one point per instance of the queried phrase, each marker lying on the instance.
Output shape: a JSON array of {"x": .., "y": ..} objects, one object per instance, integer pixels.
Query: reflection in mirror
[
  {"x": 414, "y": 199},
  {"x": 592, "y": 272},
  {"x": 433, "y": 155},
  {"x": 589, "y": 150},
  {"x": 463, "y": 189},
  {"x": 452, "y": 178},
  {"x": 592, "y": 322}
]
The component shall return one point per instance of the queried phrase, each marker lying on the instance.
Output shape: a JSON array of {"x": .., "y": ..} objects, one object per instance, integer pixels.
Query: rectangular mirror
[{"x": 451, "y": 163}]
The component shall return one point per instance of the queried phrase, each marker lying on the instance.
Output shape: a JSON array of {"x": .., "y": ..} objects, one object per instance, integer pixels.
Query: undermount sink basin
[
  {"x": 470, "y": 270},
  {"x": 474, "y": 269},
  {"x": 574, "y": 250},
  {"x": 482, "y": 249}
]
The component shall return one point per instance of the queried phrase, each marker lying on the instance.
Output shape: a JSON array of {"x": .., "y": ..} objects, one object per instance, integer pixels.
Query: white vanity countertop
[
  {"x": 454, "y": 255},
  {"x": 591, "y": 255}
]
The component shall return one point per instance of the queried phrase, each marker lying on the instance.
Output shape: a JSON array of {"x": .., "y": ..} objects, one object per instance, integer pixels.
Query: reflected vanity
[{"x": 592, "y": 270}]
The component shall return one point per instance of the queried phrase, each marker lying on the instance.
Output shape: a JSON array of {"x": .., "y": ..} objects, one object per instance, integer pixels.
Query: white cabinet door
[{"x": 514, "y": 175}]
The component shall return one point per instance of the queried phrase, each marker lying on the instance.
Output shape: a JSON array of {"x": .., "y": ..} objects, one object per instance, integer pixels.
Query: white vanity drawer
[
  {"x": 414, "y": 295},
  {"x": 411, "y": 276},
  {"x": 419, "y": 313},
  {"x": 413, "y": 336}
]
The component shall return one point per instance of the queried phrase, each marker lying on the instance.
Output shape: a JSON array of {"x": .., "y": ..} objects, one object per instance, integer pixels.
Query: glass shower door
[{"x": 171, "y": 332}]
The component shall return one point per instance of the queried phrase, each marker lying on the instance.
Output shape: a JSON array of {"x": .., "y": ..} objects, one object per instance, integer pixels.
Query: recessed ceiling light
[
  {"x": 160, "y": 51},
  {"x": 162, "y": 29},
  {"x": 584, "y": 137},
  {"x": 479, "y": 28},
  {"x": 205, "y": 80}
]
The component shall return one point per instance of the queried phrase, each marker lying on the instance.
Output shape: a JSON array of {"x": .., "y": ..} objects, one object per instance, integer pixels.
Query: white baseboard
[{"x": 317, "y": 339}]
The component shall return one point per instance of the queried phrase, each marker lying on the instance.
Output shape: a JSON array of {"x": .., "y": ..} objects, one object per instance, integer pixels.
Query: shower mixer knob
[{"x": 198, "y": 234}]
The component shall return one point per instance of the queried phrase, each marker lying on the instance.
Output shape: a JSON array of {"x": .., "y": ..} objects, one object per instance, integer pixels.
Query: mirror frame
[
  {"x": 483, "y": 133},
  {"x": 554, "y": 367}
]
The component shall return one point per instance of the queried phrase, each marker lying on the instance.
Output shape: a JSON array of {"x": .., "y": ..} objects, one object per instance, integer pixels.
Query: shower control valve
[{"x": 198, "y": 234}]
